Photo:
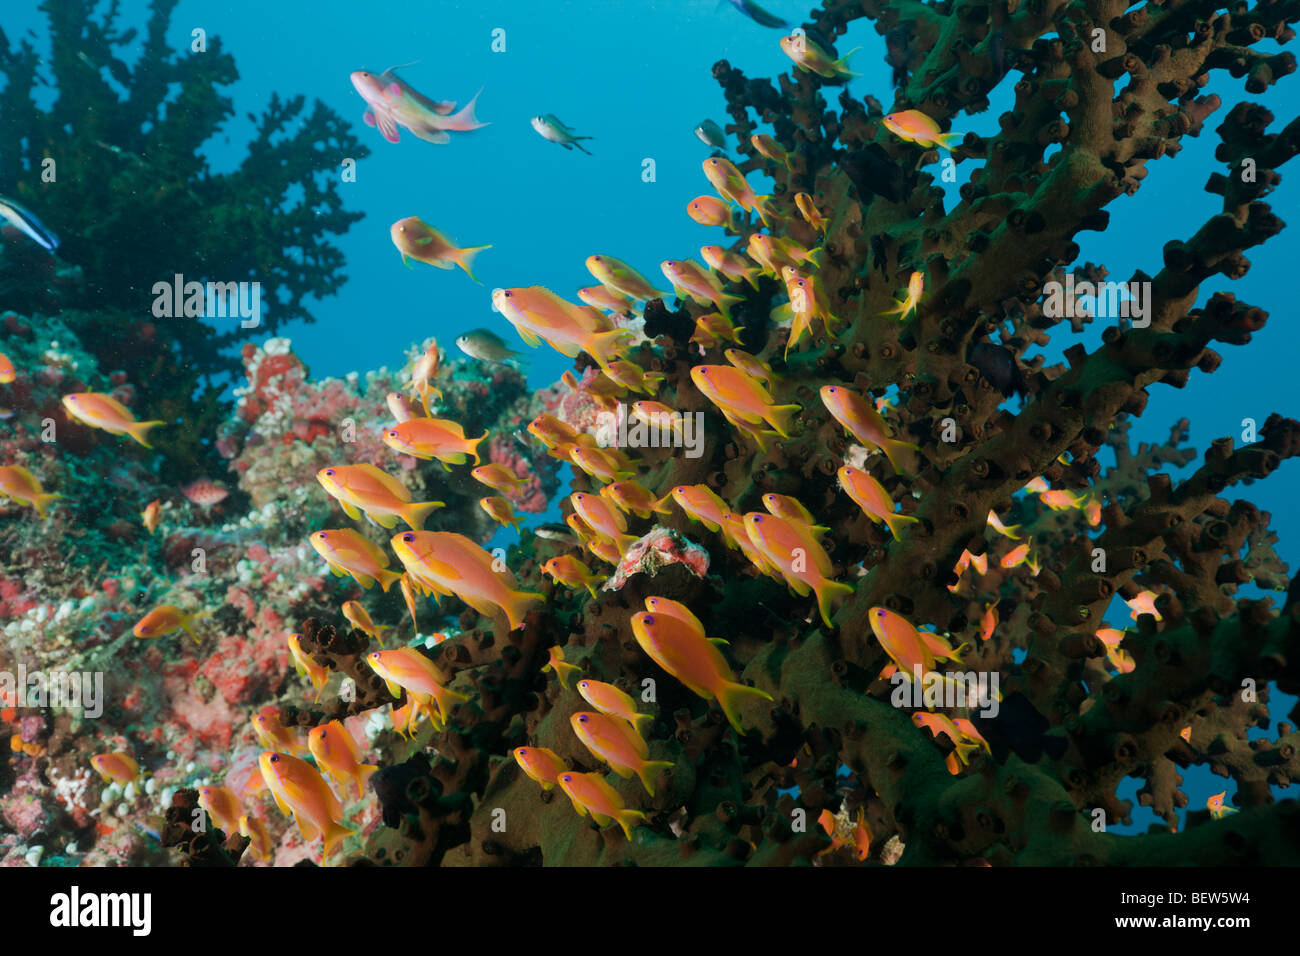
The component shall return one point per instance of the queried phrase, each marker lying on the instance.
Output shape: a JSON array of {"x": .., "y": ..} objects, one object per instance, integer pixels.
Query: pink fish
[
  {"x": 205, "y": 492},
  {"x": 393, "y": 103}
]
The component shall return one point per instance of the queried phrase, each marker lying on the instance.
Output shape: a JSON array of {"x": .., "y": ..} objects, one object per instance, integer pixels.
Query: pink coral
[{"x": 658, "y": 549}]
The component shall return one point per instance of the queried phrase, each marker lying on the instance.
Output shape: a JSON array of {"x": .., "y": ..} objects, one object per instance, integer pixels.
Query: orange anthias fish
[
  {"x": 116, "y": 767},
  {"x": 300, "y": 790},
  {"x": 731, "y": 184},
  {"x": 418, "y": 240},
  {"x": 22, "y": 486},
  {"x": 104, "y": 411},
  {"x": 397, "y": 405},
  {"x": 769, "y": 148},
  {"x": 915, "y": 127},
  {"x": 619, "y": 276},
  {"x": 862, "y": 420},
  {"x": 360, "y": 618},
  {"x": 752, "y": 366},
  {"x": 566, "y": 569},
  {"x": 259, "y": 841},
  {"x": 1007, "y": 531},
  {"x": 634, "y": 498},
  {"x": 742, "y": 398},
  {"x": 701, "y": 503},
  {"x": 617, "y": 743},
  {"x": 542, "y": 765},
  {"x": 989, "y": 622},
  {"x": 811, "y": 58},
  {"x": 306, "y": 665},
  {"x": 273, "y": 735},
  {"x": 350, "y": 552},
  {"x": 383, "y": 499},
  {"x": 1216, "y": 806},
  {"x": 167, "y": 619},
  {"x": 871, "y": 496},
  {"x": 222, "y": 806},
  {"x": 1119, "y": 658},
  {"x": 540, "y": 315},
  {"x": 451, "y": 563},
  {"x": 337, "y": 753},
  {"x": 907, "y": 647},
  {"x": 499, "y": 510},
  {"x": 709, "y": 211},
  {"x": 690, "y": 280},
  {"x": 7, "y": 372},
  {"x": 605, "y": 464},
  {"x": 846, "y": 831},
  {"x": 731, "y": 264},
  {"x": 1020, "y": 555},
  {"x": 591, "y": 794},
  {"x": 667, "y": 606},
  {"x": 603, "y": 518},
  {"x": 603, "y": 297},
  {"x": 431, "y": 438},
  {"x": 906, "y": 305},
  {"x": 789, "y": 550},
  {"x": 423, "y": 374},
  {"x": 811, "y": 214},
  {"x": 499, "y": 478},
  {"x": 632, "y": 376},
  {"x": 557, "y": 664},
  {"x": 714, "y": 329},
  {"x": 608, "y": 699},
  {"x": 1143, "y": 603},
  {"x": 690, "y": 657},
  {"x": 152, "y": 512},
  {"x": 405, "y": 668}
]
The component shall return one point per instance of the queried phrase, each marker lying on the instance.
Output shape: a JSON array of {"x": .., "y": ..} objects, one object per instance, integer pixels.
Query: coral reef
[{"x": 786, "y": 732}]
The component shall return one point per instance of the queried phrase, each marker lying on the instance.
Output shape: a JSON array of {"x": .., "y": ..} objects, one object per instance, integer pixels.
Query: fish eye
[
  {"x": 329, "y": 471},
  {"x": 567, "y": 778},
  {"x": 392, "y": 433},
  {"x": 275, "y": 758},
  {"x": 323, "y": 535},
  {"x": 408, "y": 537},
  {"x": 582, "y": 719},
  {"x": 648, "y": 619},
  {"x": 523, "y": 751}
]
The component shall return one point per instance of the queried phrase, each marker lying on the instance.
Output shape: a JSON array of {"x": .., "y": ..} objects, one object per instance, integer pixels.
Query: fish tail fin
[
  {"x": 333, "y": 833},
  {"x": 579, "y": 145},
  {"x": 627, "y": 819},
  {"x": 605, "y": 344},
  {"x": 751, "y": 276},
  {"x": 642, "y": 723},
  {"x": 518, "y": 603},
  {"x": 891, "y": 447},
  {"x": 948, "y": 140},
  {"x": 649, "y": 770},
  {"x": 417, "y": 511},
  {"x": 139, "y": 431},
  {"x": 590, "y": 586},
  {"x": 465, "y": 259},
  {"x": 472, "y": 444},
  {"x": 827, "y": 592},
  {"x": 364, "y": 773},
  {"x": 732, "y": 695},
  {"x": 41, "y": 502},
  {"x": 763, "y": 206},
  {"x": 892, "y": 521},
  {"x": 781, "y": 415},
  {"x": 465, "y": 120},
  {"x": 387, "y": 579},
  {"x": 842, "y": 64}
]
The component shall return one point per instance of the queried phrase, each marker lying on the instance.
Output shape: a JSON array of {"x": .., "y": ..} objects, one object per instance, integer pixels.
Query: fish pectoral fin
[
  {"x": 351, "y": 510},
  {"x": 424, "y": 241}
]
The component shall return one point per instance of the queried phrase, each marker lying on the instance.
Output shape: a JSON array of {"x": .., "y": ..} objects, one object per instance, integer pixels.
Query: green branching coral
[{"x": 114, "y": 165}]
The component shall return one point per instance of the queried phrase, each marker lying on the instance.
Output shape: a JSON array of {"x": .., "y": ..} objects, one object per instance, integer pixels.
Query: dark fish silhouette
[
  {"x": 1020, "y": 729},
  {"x": 879, "y": 257},
  {"x": 897, "y": 42},
  {"x": 390, "y": 785},
  {"x": 756, "y": 13},
  {"x": 875, "y": 174},
  {"x": 998, "y": 364}
]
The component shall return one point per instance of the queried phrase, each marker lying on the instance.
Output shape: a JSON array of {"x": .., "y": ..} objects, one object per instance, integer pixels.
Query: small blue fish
[
  {"x": 25, "y": 222},
  {"x": 756, "y": 13}
]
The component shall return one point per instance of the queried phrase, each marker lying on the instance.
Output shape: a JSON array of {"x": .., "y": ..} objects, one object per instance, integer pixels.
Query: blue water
[{"x": 636, "y": 76}]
